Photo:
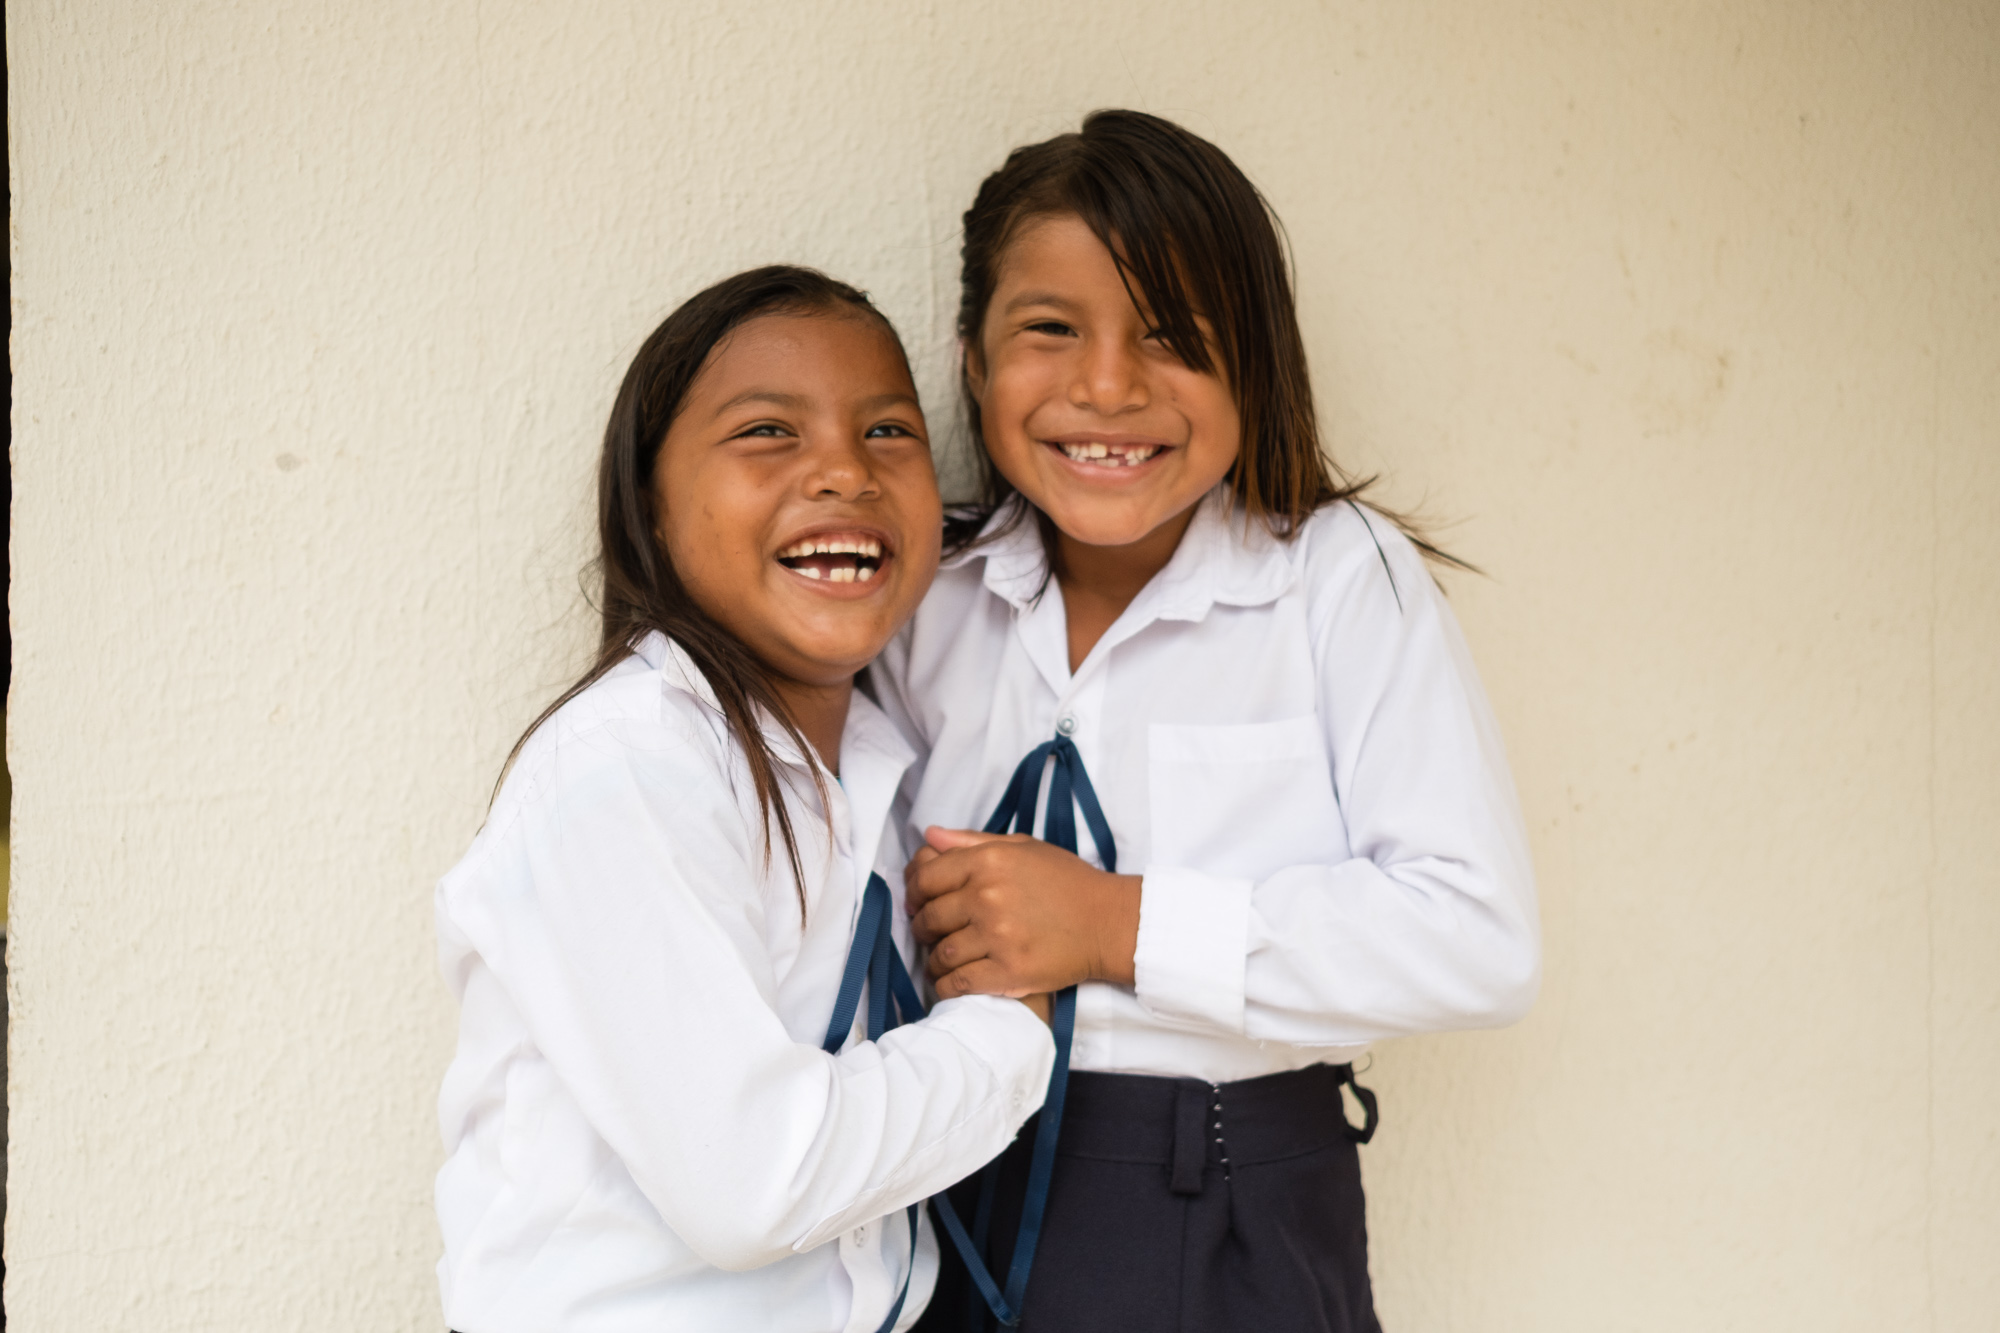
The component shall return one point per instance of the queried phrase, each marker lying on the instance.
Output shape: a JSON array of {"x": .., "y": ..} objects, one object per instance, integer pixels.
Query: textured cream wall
[{"x": 1689, "y": 312}]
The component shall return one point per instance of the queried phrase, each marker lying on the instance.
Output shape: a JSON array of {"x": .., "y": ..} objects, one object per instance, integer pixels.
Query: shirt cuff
[
  {"x": 1194, "y": 942},
  {"x": 1006, "y": 1037}
]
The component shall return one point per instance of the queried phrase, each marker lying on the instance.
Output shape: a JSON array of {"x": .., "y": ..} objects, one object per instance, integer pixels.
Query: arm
[
  {"x": 619, "y": 906},
  {"x": 1429, "y": 925}
]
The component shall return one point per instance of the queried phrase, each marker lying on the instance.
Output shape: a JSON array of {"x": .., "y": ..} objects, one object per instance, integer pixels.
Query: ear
[{"x": 973, "y": 366}]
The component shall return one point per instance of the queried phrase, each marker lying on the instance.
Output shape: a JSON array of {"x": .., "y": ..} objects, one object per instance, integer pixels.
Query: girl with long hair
[
  {"x": 1274, "y": 820},
  {"x": 669, "y": 1106}
]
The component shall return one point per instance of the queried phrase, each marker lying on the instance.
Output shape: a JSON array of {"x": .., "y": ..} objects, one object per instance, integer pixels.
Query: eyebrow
[
  {"x": 1039, "y": 298},
  {"x": 1028, "y": 299},
  {"x": 771, "y": 396},
  {"x": 796, "y": 402}
]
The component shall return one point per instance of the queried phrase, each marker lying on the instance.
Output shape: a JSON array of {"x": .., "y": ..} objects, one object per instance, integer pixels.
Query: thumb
[{"x": 951, "y": 839}]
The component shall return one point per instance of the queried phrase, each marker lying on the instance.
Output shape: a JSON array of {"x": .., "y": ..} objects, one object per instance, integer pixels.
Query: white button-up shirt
[
  {"x": 1290, "y": 744},
  {"x": 641, "y": 1129}
]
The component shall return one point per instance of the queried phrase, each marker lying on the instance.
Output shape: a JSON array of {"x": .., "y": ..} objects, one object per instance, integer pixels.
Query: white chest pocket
[{"x": 1243, "y": 800}]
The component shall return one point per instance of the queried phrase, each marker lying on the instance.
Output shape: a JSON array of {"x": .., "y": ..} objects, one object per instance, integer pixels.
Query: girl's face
[
  {"x": 1091, "y": 417},
  {"x": 796, "y": 496}
]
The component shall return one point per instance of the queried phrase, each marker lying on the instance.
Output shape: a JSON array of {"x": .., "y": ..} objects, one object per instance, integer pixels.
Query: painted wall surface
[{"x": 1688, "y": 314}]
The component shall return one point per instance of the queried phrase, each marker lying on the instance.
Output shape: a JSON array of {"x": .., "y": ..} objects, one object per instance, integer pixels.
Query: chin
[
  {"x": 1089, "y": 524},
  {"x": 836, "y": 656}
]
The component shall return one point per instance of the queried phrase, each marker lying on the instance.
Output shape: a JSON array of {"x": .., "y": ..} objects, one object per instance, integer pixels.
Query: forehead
[
  {"x": 1058, "y": 260},
  {"x": 1055, "y": 247},
  {"x": 804, "y": 352}
]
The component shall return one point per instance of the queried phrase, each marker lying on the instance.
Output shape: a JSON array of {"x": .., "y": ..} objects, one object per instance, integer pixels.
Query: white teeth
[
  {"x": 1107, "y": 456},
  {"x": 839, "y": 573},
  {"x": 861, "y": 546}
]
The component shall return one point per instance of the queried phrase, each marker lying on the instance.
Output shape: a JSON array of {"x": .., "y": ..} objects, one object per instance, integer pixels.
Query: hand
[{"x": 1007, "y": 914}]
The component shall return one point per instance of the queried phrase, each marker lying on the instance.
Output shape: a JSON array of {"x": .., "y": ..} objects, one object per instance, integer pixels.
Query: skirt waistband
[{"x": 1187, "y": 1125}]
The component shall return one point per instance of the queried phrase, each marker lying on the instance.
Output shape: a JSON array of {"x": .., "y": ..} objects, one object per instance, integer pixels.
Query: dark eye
[
  {"x": 889, "y": 430},
  {"x": 765, "y": 430},
  {"x": 1053, "y": 328}
]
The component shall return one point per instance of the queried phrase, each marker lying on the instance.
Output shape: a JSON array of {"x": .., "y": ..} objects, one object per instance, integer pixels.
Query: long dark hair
[
  {"x": 638, "y": 589},
  {"x": 1189, "y": 233}
]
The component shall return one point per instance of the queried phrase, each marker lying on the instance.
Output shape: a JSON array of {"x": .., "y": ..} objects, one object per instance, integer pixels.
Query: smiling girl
[
  {"x": 664, "y": 1111},
  {"x": 1277, "y": 824}
]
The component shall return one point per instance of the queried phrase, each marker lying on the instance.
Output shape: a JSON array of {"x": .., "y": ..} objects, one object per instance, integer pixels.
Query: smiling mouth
[
  {"x": 1094, "y": 454},
  {"x": 834, "y": 559}
]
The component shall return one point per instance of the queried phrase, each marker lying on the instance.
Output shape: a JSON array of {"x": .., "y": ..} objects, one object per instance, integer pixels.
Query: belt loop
[
  {"x": 1371, "y": 1115},
  {"x": 1190, "y": 1150}
]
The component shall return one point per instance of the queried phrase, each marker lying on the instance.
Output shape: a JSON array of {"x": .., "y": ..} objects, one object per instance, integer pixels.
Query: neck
[
  {"x": 820, "y": 714},
  {"x": 1117, "y": 573},
  {"x": 1099, "y": 582}
]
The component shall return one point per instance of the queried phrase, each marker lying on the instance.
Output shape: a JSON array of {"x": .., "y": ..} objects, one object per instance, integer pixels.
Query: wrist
[{"x": 1117, "y": 943}]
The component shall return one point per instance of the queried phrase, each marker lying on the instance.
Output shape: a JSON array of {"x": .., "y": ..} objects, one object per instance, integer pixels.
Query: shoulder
[
  {"x": 958, "y": 599},
  {"x": 637, "y": 723},
  {"x": 1350, "y": 532},
  {"x": 958, "y": 590},
  {"x": 640, "y": 702},
  {"x": 1348, "y": 550},
  {"x": 904, "y": 674}
]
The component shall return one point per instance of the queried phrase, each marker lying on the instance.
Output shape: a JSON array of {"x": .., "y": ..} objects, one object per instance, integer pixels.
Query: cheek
[
  {"x": 710, "y": 547},
  {"x": 1218, "y": 426},
  {"x": 923, "y": 509},
  {"x": 1005, "y": 410}
]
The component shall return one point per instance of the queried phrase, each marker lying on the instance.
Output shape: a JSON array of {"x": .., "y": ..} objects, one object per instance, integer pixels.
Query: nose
[
  {"x": 841, "y": 468},
  {"x": 1110, "y": 377}
]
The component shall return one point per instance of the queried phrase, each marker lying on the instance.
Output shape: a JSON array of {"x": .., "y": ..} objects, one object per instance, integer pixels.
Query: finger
[
  {"x": 912, "y": 901},
  {"x": 951, "y": 839},
  {"x": 926, "y": 877},
  {"x": 940, "y": 917},
  {"x": 984, "y": 977},
  {"x": 962, "y": 946}
]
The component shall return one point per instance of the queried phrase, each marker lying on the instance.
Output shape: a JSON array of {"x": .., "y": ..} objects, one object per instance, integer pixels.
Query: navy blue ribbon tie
[
  {"x": 1069, "y": 792},
  {"x": 874, "y": 958}
]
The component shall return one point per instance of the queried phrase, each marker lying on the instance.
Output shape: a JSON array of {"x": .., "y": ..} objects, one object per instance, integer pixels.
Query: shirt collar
[
  {"x": 868, "y": 731},
  {"x": 1011, "y": 545},
  {"x": 1226, "y": 557}
]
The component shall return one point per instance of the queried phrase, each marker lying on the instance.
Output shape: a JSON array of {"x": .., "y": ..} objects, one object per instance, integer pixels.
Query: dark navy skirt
[{"x": 1178, "y": 1207}]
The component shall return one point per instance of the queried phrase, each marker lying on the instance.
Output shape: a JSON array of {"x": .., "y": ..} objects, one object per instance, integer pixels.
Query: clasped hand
[{"x": 1006, "y": 914}]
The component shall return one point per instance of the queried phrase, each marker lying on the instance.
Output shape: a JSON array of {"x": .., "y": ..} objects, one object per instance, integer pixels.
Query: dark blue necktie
[
  {"x": 873, "y": 956},
  {"x": 1069, "y": 792}
]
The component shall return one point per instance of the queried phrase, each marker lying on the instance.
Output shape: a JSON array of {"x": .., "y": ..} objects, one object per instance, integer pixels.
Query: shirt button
[
  {"x": 861, "y": 1235},
  {"x": 1067, "y": 726}
]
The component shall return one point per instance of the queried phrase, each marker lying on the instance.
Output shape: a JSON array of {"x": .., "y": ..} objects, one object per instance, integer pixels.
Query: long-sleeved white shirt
[
  {"x": 642, "y": 1131},
  {"x": 1290, "y": 744}
]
